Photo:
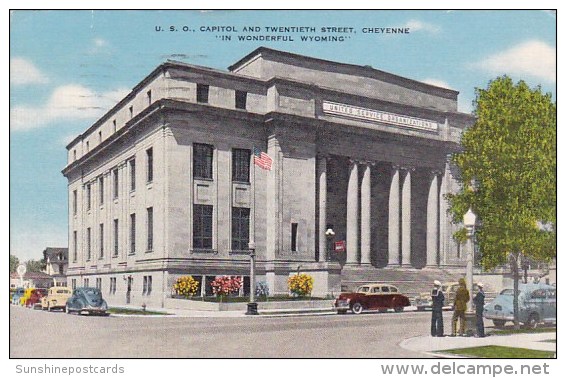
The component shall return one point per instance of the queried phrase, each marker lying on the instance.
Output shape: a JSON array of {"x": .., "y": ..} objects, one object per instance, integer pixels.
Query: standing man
[
  {"x": 437, "y": 323},
  {"x": 479, "y": 301},
  {"x": 460, "y": 306}
]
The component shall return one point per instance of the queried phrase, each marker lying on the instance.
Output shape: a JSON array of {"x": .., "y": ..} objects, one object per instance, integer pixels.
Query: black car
[{"x": 87, "y": 300}]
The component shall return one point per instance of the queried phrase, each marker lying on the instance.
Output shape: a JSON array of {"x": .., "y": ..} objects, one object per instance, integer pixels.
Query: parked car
[
  {"x": 423, "y": 301},
  {"x": 26, "y": 296},
  {"x": 34, "y": 301},
  {"x": 56, "y": 298},
  {"x": 372, "y": 297},
  {"x": 537, "y": 304},
  {"x": 87, "y": 299},
  {"x": 17, "y": 295}
]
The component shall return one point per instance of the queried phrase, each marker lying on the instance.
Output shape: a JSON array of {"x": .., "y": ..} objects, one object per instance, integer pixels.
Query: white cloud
[
  {"x": 416, "y": 25},
  {"x": 98, "y": 45},
  {"x": 437, "y": 83},
  {"x": 531, "y": 58},
  {"x": 68, "y": 102},
  {"x": 24, "y": 72}
]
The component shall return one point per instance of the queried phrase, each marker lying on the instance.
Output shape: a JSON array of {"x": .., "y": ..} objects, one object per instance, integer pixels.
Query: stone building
[{"x": 164, "y": 184}]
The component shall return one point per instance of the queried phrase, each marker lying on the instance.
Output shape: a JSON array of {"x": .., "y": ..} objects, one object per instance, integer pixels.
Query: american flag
[{"x": 262, "y": 159}]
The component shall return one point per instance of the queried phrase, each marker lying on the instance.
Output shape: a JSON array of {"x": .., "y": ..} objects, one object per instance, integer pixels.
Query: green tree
[
  {"x": 14, "y": 262},
  {"x": 35, "y": 265},
  {"x": 508, "y": 175}
]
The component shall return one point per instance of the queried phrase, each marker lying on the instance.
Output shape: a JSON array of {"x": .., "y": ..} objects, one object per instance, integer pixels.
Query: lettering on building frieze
[{"x": 371, "y": 115}]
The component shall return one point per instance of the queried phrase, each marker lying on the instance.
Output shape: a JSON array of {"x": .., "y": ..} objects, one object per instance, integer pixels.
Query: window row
[
  {"x": 115, "y": 182},
  {"x": 146, "y": 289},
  {"x": 203, "y": 155},
  {"x": 203, "y": 229},
  {"x": 115, "y": 237},
  {"x": 240, "y": 99}
]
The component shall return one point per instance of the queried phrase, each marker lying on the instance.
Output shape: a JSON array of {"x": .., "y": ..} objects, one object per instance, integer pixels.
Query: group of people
[{"x": 460, "y": 306}]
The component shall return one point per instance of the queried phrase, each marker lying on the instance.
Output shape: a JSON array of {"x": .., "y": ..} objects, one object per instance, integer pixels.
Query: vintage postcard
[{"x": 283, "y": 184}]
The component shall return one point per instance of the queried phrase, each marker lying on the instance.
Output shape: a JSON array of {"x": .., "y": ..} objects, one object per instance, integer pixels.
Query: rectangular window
[
  {"x": 241, "y": 165},
  {"x": 101, "y": 189},
  {"x": 73, "y": 283},
  {"x": 74, "y": 155},
  {"x": 131, "y": 111},
  {"x": 149, "y": 97},
  {"x": 132, "y": 164},
  {"x": 144, "y": 290},
  {"x": 112, "y": 286},
  {"x": 115, "y": 190},
  {"x": 74, "y": 202},
  {"x": 61, "y": 270},
  {"x": 86, "y": 282},
  {"x": 88, "y": 250},
  {"x": 99, "y": 283},
  {"x": 241, "y": 98},
  {"x": 132, "y": 233},
  {"x": 75, "y": 246},
  {"x": 150, "y": 228},
  {"x": 115, "y": 237},
  {"x": 99, "y": 137},
  {"x": 149, "y": 284},
  {"x": 294, "y": 229},
  {"x": 202, "y": 226},
  {"x": 149, "y": 155},
  {"x": 202, "y": 161},
  {"x": 240, "y": 228},
  {"x": 101, "y": 240},
  {"x": 202, "y": 93},
  {"x": 114, "y": 125},
  {"x": 88, "y": 196},
  {"x": 87, "y": 146}
]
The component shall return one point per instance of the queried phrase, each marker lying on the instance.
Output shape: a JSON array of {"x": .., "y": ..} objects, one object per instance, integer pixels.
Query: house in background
[
  {"x": 31, "y": 279},
  {"x": 57, "y": 261}
]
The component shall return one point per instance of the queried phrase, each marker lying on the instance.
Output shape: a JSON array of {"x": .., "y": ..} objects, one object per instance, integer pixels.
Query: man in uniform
[
  {"x": 437, "y": 323},
  {"x": 460, "y": 306},
  {"x": 479, "y": 301}
]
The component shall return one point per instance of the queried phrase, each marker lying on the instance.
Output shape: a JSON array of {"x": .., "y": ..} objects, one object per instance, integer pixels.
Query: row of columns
[{"x": 399, "y": 215}]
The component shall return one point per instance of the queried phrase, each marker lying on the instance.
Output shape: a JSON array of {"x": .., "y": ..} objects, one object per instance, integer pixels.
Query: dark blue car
[{"x": 87, "y": 300}]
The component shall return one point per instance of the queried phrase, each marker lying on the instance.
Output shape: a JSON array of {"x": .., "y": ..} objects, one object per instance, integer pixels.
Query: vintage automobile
[
  {"x": 423, "y": 301},
  {"x": 34, "y": 301},
  {"x": 26, "y": 296},
  {"x": 537, "y": 304},
  {"x": 87, "y": 300},
  {"x": 379, "y": 297},
  {"x": 56, "y": 298},
  {"x": 17, "y": 295}
]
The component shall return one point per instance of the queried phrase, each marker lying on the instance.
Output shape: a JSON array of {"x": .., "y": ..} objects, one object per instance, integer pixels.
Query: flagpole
[{"x": 252, "y": 306}]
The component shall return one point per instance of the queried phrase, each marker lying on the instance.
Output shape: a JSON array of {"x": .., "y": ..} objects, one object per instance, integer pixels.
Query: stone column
[
  {"x": 352, "y": 216},
  {"x": 322, "y": 247},
  {"x": 273, "y": 209},
  {"x": 394, "y": 202},
  {"x": 406, "y": 218},
  {"x": 432, "y": 222},
  {"x": 366, "y": 216}
]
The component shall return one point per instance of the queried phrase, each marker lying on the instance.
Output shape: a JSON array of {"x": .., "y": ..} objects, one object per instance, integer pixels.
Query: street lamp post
[
  {"x": 252, "y": 305},
  {"x": 470, "y": 224},
  {"x": 329, "y": 237}
]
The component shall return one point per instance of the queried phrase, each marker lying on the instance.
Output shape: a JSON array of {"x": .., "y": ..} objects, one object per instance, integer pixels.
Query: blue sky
[{"x": 69, "y": 67}]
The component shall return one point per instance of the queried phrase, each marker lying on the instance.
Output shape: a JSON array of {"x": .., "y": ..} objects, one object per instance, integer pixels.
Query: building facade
[
  {"x": 56, "y": 263},
  {"x": 165, "y": 185}
]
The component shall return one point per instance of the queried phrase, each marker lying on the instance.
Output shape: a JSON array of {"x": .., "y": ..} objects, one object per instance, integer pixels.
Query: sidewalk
[
  {"x": 170, "y": 312},
  {"x": 430, "y": 345}
]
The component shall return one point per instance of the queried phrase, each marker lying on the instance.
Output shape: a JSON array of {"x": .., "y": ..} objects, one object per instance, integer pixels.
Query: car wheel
[
  {"x": 499, "y": 323},
  {"x": 399, "y": 309},
  {"x": 357, "y": 308},
  {"x": 533, "y": 321}
]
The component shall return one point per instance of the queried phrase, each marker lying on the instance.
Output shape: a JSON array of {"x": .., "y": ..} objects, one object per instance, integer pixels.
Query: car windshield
[{"x": 508, "y": 292}]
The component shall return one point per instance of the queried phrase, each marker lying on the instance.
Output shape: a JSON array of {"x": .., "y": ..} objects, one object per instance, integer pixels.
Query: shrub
[
  {"x": 225, "y": 285},
  {"x": 262, "y": 289},
  {"x": 186, "y": 286},
  {"x": 300, "y": 284}
]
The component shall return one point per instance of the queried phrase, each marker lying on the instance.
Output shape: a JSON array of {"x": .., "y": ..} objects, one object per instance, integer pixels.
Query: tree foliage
[
  {"x": 14, "y": 262},
  {"x": 508, "y": 172},
  {"x": 35, "y": 265}
]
